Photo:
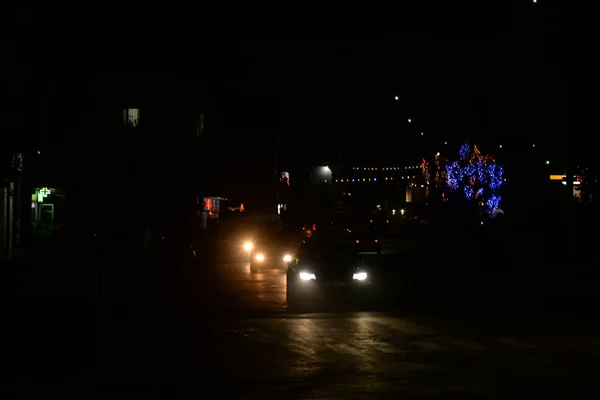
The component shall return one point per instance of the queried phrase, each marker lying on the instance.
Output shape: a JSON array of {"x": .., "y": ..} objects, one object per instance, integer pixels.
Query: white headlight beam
[
  {"x": 307, "y": 276},
  {"x": 359, "y": 276}
]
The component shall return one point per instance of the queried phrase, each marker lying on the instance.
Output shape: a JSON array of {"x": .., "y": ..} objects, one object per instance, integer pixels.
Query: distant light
[
  {"x": 396, "y": 98},
  {"x": 421, "y": 132},
  {"x": 39, "y": 152},
  {"x": 535, "y": 1},
  {"x": 547, "y": 162},
  {"x": 445, "y": 142},
  {"x": 409, "y": 120},
  {"x": 534, "y": 145},
  {"x": 438, "y": 153},
  {"x": 500, "y": 146},
  {"x": 375, "y": 179}
]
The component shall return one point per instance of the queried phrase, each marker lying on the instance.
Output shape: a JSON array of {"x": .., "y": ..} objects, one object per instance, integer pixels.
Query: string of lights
[
  {"x": 385, "y": 168},
  {"x": 360, "y": 180}
]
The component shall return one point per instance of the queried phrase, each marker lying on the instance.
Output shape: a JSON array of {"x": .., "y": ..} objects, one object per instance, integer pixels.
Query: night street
[
  {"x": 232, "y": 336},
  {"x": 189, "y": 210}
]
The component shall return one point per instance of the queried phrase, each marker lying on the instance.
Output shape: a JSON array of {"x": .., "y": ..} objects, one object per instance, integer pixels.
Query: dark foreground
[{"x": 218, "y": 331}]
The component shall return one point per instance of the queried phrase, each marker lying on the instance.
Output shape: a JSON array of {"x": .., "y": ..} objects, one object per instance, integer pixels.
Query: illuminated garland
[
  {"x": 477, "y": 176},
  {"x": 426, "y": 168}
]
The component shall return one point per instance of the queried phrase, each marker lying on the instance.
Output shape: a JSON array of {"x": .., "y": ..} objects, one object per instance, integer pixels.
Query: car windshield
[
  {"x": 331, "y": 251},
  {"x": 270, "y": 240}
]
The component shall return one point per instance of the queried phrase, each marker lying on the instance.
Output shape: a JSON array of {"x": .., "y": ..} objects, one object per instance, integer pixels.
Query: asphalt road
[{"x": 226, "y": 333}]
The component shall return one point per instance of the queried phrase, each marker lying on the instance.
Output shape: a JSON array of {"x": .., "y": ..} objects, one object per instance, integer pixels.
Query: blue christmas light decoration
[
  {"x": 492, "y": 204},
  {"x": 496, "y": 173},
  {"x": 464, "y": 151},
  {"x": 476, "y": 176},
  {"x": 454, "y": 175},
  {"x": 468, "y": 192}
]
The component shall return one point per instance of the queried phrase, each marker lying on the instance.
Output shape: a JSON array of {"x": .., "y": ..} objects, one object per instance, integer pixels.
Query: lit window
[{"x": 131, "y": 117}]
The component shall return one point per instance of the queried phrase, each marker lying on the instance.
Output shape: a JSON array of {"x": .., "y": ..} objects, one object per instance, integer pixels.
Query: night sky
[{"x": 504, "y": 74}]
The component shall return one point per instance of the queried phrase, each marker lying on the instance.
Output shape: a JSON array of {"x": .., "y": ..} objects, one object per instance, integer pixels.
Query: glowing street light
[
  {"x": 409, "y": 120},
  {"x": 547, "y": 162},
  {"x": 500, "y": 146},
  {"x": 396, "y": 98}
]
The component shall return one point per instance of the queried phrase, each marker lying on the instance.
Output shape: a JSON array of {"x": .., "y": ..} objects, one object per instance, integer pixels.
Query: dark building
[
  {"x": 18, "y": 130},
  {"x": 124, "y": 148}
]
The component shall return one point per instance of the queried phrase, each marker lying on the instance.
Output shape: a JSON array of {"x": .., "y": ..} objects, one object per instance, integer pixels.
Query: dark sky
[
  {"x": 504, "y": 73},
  {"x": 332, "y": 94}
]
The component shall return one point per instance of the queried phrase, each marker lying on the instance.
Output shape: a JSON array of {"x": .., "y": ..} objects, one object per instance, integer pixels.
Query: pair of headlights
[
  {"x": 308, "y": 276},
  {"x": 261, "y": 257}
]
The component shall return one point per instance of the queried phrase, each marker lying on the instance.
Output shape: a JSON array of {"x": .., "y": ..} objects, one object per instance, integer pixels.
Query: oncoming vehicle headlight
[
  {"x": 260, "y": 257},
  {"x": 248, "y": 246},
  {"x": 359, "y": 276},
  {"x": 287, "y": 258},
  {"x": 307, "y": 276}
]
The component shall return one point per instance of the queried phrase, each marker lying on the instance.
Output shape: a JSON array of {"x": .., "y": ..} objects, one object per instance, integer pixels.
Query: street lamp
[{"x": 396, "y": 98}]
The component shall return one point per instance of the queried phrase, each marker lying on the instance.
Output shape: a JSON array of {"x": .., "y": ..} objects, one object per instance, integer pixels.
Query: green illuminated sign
[{"x": 42, "y": 193}]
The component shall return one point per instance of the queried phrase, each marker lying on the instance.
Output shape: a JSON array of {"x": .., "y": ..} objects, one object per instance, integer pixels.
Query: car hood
[
  {"x": 330, "y": 269},
  {"x": 273, "y": 251}
]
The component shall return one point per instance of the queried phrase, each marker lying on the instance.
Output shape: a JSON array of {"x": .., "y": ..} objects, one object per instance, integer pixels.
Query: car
[
  {"x": 322, "y": 268},
  {"x": 367, "y": 244},
  {"x": 269, "y": 253}
]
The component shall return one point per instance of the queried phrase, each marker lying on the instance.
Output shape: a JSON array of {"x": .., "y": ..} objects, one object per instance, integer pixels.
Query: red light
[{"x": 314, "y": 227}]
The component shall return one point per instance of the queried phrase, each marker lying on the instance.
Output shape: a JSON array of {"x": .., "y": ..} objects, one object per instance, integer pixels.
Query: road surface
[{"x": 229, "y": 335}]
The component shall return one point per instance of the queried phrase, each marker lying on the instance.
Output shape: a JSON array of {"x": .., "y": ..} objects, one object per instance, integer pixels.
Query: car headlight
[
  {"x": 359, "y": 276},
  {"x": 307, "y": 276},
  {"x": 260, "y": 257},
  {"x": 248, "y": 246},
  {"x": 287, "y": 258}
]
